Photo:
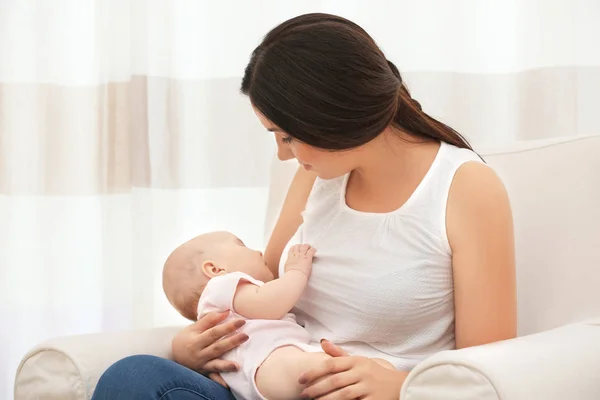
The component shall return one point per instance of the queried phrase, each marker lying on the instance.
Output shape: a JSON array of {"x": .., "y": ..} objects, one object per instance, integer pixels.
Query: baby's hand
[{"x": 300, "y": 258}]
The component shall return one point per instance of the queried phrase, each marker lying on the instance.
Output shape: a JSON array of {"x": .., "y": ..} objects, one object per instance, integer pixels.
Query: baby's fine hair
[{"x": 183, "y": 280}]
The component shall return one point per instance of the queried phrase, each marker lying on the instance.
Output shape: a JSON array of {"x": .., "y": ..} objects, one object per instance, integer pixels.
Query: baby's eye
[{"x": 287, "y": 139}]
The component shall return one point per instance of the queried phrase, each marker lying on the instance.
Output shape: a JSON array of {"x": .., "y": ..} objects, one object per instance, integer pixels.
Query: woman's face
[{"x": 324, "y": 163}]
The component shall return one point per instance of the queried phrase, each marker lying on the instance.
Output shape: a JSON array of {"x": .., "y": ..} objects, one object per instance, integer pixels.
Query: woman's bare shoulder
[
  {"x": 477, "y": 198},
  {"x": 476, "y": 183}
]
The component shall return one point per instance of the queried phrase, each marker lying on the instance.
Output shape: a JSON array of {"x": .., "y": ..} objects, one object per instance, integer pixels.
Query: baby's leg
[{"x": 277, "y": 378}]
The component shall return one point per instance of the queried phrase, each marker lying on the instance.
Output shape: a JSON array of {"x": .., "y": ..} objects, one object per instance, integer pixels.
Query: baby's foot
[{"x": 300, "y": 257}]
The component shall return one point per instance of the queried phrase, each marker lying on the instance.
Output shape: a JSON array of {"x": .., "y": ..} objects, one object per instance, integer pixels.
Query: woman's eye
[{"x": 287, "y": 139}]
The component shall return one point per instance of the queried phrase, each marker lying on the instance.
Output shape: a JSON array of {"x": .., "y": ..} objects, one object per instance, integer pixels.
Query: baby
[{"x": 217, "y": 272}]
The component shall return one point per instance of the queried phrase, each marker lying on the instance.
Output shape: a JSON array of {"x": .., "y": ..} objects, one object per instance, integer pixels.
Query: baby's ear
[{"x": 210, "y": 269}]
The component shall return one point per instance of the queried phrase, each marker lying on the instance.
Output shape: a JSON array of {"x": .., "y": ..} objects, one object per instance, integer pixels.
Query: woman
[{"x": 412, "y": 230}]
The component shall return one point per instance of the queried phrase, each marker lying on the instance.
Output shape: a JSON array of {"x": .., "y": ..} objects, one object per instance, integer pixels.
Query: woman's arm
[
  {"x": 480, "y": 232},
  {"x": 289, "y": 218}
]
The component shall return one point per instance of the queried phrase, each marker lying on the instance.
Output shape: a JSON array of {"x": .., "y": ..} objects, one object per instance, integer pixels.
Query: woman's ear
[{"x": 210, "y": 269}]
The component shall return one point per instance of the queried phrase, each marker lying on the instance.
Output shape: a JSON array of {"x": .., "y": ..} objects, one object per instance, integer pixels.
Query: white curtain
[{"x": 123, "y": 133}]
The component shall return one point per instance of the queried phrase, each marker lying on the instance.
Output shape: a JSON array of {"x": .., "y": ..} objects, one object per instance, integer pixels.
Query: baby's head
[{"x": 190, "y": 266}]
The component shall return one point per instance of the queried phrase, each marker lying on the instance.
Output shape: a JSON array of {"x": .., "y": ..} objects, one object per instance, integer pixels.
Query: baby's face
[
  {"x": 194, "y": 263},
  {"x": 234, "y": 256}
]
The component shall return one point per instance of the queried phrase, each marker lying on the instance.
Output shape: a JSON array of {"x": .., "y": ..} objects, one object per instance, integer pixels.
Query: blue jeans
[{"x": 144, "y": 377}]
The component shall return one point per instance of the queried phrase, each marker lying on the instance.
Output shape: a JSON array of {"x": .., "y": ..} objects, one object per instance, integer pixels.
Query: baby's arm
[{"x": 276, "y": 298}]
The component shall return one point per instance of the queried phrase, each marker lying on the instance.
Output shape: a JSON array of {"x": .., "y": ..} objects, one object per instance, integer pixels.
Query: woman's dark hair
[{"x": 324, "y": 81}]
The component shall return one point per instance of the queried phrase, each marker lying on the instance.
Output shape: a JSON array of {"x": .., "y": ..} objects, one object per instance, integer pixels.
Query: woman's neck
[{"x": 394, "y": 157}]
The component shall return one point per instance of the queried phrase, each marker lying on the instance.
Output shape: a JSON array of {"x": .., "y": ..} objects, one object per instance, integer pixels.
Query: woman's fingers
[
  {"x": 217, "y": 366},
  {"x": 332, "y": 349},
  {"x": 332, "y": 383},
  {"x": 351, "y": 392},
  {"x": 329, "y": 367},
  {"x": 218, "y": 378},
  {"x": 209, "y": 321},
  {"x": 220, "y": 347},
  {"x": 216, "y": 333},
  {"x": 207, "y": 339}
]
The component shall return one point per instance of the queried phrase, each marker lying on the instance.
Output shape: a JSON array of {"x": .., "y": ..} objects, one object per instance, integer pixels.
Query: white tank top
[{"x": 381, "y": 283}]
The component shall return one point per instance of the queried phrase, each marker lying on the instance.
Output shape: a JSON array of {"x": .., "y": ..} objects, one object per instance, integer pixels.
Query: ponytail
[{"x": 411, "y": 117}]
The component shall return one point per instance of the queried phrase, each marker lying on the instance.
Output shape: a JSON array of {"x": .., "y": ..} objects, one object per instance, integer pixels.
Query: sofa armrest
[
  {"x": 68, "y": 368},
  {"x": 561, "y": 363}
]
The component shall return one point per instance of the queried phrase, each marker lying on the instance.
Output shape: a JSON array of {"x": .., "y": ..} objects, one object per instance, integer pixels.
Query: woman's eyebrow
[{"x": 271, "y": 129}]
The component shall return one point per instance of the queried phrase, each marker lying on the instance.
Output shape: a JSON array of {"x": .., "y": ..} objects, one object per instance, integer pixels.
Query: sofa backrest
[{"x": 554, "y": 187}]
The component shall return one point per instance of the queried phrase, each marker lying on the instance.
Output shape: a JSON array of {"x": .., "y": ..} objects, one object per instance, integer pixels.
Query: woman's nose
[{"x": 284, "y": 153}]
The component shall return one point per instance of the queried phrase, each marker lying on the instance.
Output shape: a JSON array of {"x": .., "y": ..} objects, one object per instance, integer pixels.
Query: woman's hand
[
  {"x": 200, "y": 345},
  {"x": 351, "y": 377}
]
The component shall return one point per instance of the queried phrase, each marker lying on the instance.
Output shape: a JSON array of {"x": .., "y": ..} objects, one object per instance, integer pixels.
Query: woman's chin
[
  {"x": 327, "y": 176},
  {"x": 322, "y": 174}
]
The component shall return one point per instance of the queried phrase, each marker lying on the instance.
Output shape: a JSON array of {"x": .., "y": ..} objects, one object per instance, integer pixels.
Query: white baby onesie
[{"x": 264, "y": 335}]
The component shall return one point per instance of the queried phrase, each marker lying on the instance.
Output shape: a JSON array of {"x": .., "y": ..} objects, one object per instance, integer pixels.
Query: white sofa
[{"x": 555, "y": 193}]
